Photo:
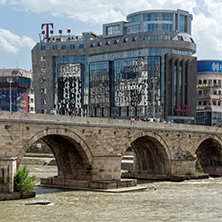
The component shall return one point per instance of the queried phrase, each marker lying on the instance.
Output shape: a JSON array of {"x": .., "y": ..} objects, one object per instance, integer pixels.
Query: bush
[{"x": 22, "y": 182}]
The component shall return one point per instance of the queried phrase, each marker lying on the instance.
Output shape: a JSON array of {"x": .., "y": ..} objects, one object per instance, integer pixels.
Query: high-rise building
[
  {"x": 139, "y": 67},
  {"x": 16, "y": 90},
  {"x": 209, "y": 104}
]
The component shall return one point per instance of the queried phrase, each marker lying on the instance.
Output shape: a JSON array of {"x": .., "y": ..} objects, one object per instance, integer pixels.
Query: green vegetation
[
  {"x": 22, "y": 182},
  {"x": 199, "y": 168}
]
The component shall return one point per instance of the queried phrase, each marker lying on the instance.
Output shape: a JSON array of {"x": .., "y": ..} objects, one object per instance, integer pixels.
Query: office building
[
  {"x": 209, "y": 104},
  {"x": 139, "y": 67},
  {"x": 16, "y": 90}
]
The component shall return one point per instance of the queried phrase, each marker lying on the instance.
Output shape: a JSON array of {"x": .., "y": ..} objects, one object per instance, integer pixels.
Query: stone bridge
[{"x": 88, "y": 151}]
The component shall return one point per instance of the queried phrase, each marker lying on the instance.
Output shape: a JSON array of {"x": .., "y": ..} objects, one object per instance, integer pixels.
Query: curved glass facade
[{"x": 153, "y": 27}]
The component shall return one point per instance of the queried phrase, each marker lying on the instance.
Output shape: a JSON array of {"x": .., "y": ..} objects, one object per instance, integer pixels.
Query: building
[
  {"x": 209, "y": 105},
  {"x": 16, "y": 90},
  {"x": 139, "y": 67}
]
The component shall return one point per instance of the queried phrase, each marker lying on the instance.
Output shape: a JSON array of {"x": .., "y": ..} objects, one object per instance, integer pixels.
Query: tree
[{"x": 22, "y": 182}]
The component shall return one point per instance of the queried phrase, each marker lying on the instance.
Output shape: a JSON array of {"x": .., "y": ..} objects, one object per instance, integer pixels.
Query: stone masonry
[{"x": 88, "y": 151}]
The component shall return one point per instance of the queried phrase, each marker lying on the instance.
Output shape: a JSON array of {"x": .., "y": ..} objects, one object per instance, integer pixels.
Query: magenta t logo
[
  {"x": 47, "y": 29},
  {"x": 186, "y": 109}
]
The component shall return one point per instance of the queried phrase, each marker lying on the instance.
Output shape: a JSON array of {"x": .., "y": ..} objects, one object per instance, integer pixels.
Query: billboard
[{"x": 209, "y": 66}]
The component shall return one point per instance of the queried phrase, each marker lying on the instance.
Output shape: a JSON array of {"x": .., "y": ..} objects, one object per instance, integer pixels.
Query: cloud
[
  {"x": 205, "y": 26},
  {"x": 12, "y": 43},
  {"x": 98, "y": 11}
]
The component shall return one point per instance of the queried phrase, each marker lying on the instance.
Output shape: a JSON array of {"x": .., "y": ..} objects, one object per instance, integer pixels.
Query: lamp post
[
  {"x": 10, "y": 81},
  {"x": 154, "y": 96}
]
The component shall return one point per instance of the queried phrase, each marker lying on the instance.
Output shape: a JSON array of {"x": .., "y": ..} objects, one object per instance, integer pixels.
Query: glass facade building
[{"x": 123, "y": 72}]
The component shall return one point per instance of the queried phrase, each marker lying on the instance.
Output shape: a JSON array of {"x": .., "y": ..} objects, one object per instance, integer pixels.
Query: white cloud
[
  {"x": 205, "y": 26},
  {"x": 99, "y": 11},
  {"x": 12, "y": 43}
]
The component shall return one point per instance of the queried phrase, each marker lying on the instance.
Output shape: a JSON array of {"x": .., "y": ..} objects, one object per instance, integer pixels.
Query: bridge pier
[{"x": 7, "y": 172}]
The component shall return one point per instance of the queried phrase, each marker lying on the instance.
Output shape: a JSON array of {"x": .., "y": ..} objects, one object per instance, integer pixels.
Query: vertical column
[
  {"x": 7, "y": 172},
  {"x": 166, "y": 86},
  {"x": 183, "y": 84},
  {"x": 178, "y": 84},
  {"x": 172, "y": 85},
  {"x": 188, "y": 83}
]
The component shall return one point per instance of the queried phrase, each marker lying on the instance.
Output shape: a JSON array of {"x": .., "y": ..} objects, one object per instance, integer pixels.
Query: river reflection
[{"x": 194, "y": 200}]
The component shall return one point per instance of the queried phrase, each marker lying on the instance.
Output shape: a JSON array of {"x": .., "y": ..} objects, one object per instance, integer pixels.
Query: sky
[{"x": 20, "y": 23}]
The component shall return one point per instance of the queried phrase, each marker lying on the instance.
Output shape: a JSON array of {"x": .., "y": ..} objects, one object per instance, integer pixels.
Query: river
[{"x": 194, "y": 200}]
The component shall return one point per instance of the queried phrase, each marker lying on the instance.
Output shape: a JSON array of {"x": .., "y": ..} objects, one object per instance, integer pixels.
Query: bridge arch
[
  {"x": 209, "y": 153},
  {"x": 72, "y": 154},
  {"x": 151, "y": 154}
]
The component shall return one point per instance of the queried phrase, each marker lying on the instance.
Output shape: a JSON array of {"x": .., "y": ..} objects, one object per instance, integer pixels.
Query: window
[
  {"x": 64, "y": 46},
  {"x": 214, "y": 103},
  {"x": 167, "y": 37},
  {"x": 204, "y": 103},
  {"x": 43, "y": 91},
  {"x": 219, "y": 81},
  {"x": 72, "y": 46},
  {"x": 209, "y": 81},
  {"x": 113, "y": 30},
  {"x": 215, "y": 81},
  {"x": 205, "y": 81},
  {"x": 42, "y": 58},
  {"x": 200, "y": 81},
  {"x": 55, "y": 47},
  {"x": 215, "y": 92},
  {"x": 219, "y": 92},
  {"x": 43, "y": 47},
  {"x": 43, "y": 101},
  {"x": 200, "y": 92},
  {"x": 81, "y": 46},
  {"x": 218, "y": 103},
  {"x": 157, "y": 37},
  {"x": 180, "y": 38},
  {"x": 146, "y": 37},
  {"x": 43, "y": 80},
  {"x": 199, "y": 103}
]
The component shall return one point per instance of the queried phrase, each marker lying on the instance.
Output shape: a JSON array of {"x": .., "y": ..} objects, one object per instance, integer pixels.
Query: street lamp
[
  {"x": 10, "y": 81},
  {"x": 154, "y": 98}
]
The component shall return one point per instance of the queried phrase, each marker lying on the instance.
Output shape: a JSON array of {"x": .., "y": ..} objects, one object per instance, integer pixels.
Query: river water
[{"x": 194, "y": 200}]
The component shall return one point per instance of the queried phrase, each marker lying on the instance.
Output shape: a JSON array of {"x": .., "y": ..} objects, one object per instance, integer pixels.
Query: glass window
[
  {"x": 55, "y": 47},
  {"x": 218, "y": 103},
  {"x": 215, "y": 81},
  {"x": 204, "y": 103},
  {"x": 199, "y": 103},
  {"x": 134, "y": 29},
  {"x": 215, "y": 92},
  {"x": 204, "y": 81},
  {"x": 72, "y": 46},
  {"x": 200, "y": 92},
  {"x": 214, "y": 103},
  {"x": 219, "y": 81},
  {"x": 209, "y": 81},
  {"x": 81, "y": 46},
  {"x": 158, "y": 17},
  {"x": 182, "y": 23},
  {"x": 43, "y": 47},
  {"x": 157, "y": 37},
  {"x": 200, "y": 81},
  {"x": 219, "y": 92},
  {"x": 146, "y": 37},
  {"x": 151, "y": 27},
  {"x": 180, "y": 38},
  {"x": 113, "y": 30},
  {"x": 135, "y": 18},
  {"x": 64, "y": 46}
]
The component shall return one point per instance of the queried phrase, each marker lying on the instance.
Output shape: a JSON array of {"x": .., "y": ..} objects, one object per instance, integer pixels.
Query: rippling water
[{"x": 194, "y": 200}]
